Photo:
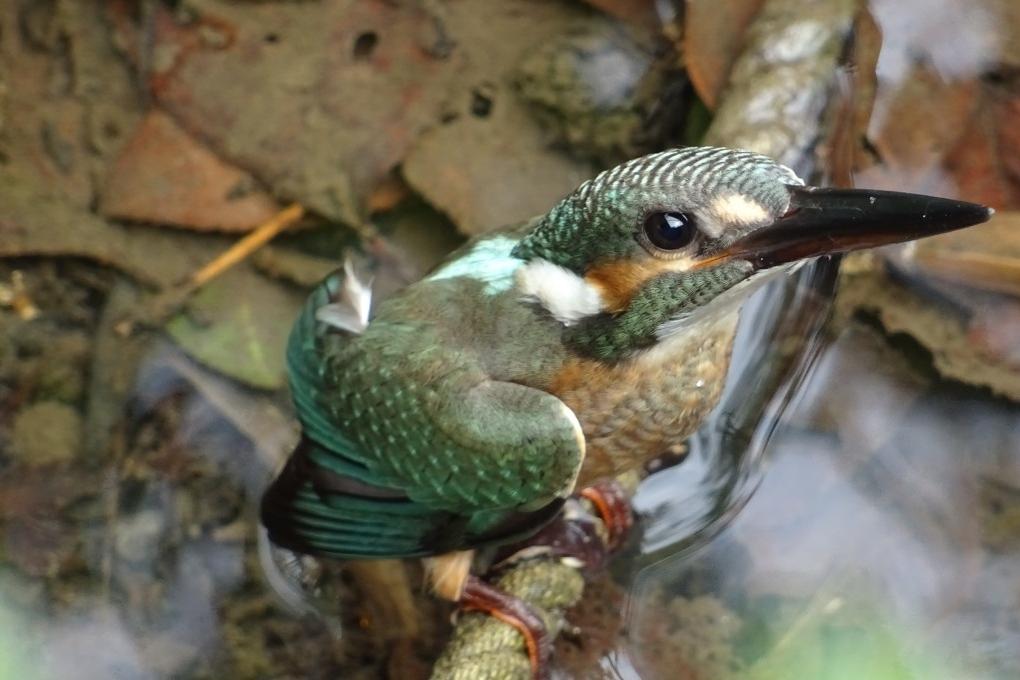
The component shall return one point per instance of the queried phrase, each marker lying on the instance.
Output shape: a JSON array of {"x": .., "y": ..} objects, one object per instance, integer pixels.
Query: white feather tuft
[
  {"x": 351, "y": 312},
  {"x": 567, "y": 296}
]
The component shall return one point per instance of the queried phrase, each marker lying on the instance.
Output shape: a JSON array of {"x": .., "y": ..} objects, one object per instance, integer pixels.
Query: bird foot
[
  {"x": 481, "y": 596},
  {"x": 613, "y": 506},
  {"x": 586, "y": 536}
]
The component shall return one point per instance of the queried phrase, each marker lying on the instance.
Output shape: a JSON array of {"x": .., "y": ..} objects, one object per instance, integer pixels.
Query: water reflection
[
  {"x": 880, "y": 502},
  {"x": 776, "y": 343}
]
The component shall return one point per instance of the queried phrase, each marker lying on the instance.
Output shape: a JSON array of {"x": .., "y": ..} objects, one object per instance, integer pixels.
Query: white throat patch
[{"x": 564, "y": 294}]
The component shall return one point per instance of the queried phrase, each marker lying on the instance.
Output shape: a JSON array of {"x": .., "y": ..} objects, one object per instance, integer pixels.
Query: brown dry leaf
[
  {"x": 35, "y": 221},
  {"x": 713, "y": 37},
  {"x": 985, "y": 164},
  {"x": 490, "y": 163},
  {"x": 66, "y": 98},
  {"x": 1007, "y": 24},
  {"x": 387, "y": 194},
  {"x": 974, "y": 163},
  {"x": 638, "y": 13},
  {"x": 916, "y": 125},
  {"x": 946, "y": 114},
  {"x": 166, "y": 176},
  {"x": 35, "y": 537},
  {"x": 341, "y": 89},
  {"x": 985, "y": 256},
  {"x": 345, "y": 86},
  {"x": 293, "y": 266},
  {"x": 1008, "y": 119},
  {"x": 488, "y": 172},
  {"x": 857, "y": 86}
]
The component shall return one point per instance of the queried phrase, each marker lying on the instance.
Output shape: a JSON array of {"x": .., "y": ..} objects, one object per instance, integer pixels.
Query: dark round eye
[{"x": 670, "y": 230}]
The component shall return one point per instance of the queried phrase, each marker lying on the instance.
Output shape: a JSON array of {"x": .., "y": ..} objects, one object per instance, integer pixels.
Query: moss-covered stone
[{"x": 46, "y": 432}]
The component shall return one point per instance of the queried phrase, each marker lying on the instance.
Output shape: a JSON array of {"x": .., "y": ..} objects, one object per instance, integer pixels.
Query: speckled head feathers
[{"x": 729, "y": 191}]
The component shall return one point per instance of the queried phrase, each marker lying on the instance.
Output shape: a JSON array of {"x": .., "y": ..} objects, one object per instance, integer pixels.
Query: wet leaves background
[{"x": 136, "y": 137}]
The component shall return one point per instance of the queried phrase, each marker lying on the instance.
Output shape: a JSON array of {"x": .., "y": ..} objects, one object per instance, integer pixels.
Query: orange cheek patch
[{"x": 619, "y": 280}]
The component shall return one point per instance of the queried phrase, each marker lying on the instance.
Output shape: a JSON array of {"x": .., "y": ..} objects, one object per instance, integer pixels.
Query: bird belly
[{"x": 634, "y": 411}]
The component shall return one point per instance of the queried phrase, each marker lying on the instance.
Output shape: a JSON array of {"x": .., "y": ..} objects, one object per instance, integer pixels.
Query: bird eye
[{"x": 670, "y": 230}]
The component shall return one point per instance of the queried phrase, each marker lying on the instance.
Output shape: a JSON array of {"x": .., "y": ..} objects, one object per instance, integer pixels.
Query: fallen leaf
[
  {"x": 985, "y": 256},
  {"x": 974, "y": 162},
  {"x": 640, "y": 14},
  {"x": 1006, "y": 21},
  {"x": 37, "y": 221},
  {"x": 344, "y": 87},
  {"x": 713, "y": 38},
  {"x": 238, "y": 325},
  {"x": 164, "y": 175},
  {"x": 490, "y": 163},
  {"x": 946, "y": 108},
  {"x": 387, "y": 194},
  {"x": 36, "y": 537},
  {"x": 489, "y": 172},
  {"x": 854, "y": 100},
  {"x": 1008, "y": 128},
  {"x": 905, "y": 128},
  {"x": 49, "y": 104}
]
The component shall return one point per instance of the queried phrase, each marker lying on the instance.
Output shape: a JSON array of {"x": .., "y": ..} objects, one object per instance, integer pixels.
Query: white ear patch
[
  {"x": 738, "y": 209},
  {"x": 567, "y": 296}
]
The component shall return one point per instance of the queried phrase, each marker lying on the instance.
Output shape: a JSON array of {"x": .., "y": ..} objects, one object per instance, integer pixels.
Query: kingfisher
[{"x": 542, "y": 359}]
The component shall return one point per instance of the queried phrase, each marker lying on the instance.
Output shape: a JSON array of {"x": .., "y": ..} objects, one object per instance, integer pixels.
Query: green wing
[{"x": 409, "y": 447}]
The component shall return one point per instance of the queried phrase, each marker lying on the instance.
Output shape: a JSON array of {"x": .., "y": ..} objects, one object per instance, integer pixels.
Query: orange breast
[{"x": 635, "y": 410}]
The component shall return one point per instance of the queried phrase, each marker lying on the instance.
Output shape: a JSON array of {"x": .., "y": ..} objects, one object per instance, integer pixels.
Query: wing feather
[{"x": 410, "y": 449}]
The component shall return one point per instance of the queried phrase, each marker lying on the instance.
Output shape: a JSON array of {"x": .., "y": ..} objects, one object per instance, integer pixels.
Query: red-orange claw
[
  {"x": 613, "y": 506},
  {"x": 481, "y": 596}
]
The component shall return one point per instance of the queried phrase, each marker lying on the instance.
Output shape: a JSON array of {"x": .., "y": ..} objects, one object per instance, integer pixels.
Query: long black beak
[{"x": 824, "y": 221}]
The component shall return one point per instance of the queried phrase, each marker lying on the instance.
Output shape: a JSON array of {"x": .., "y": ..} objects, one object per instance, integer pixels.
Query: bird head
[{"x": 632, "y": 254}]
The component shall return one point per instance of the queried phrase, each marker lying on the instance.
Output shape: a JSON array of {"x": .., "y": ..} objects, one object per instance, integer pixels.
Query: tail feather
[{"x": 315, "y": 511}]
